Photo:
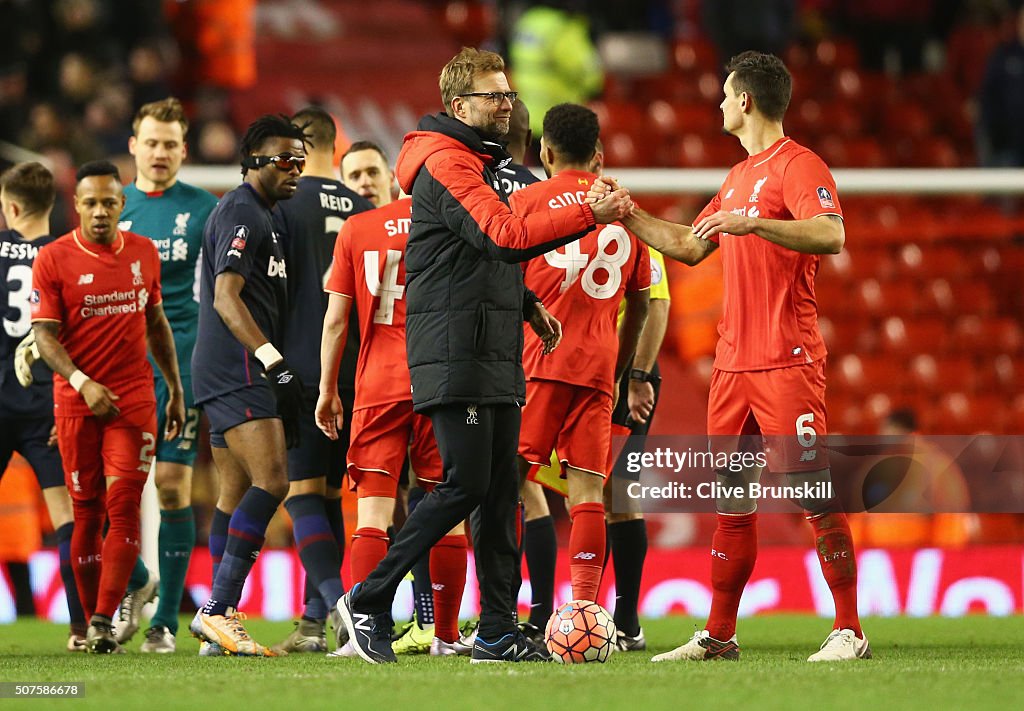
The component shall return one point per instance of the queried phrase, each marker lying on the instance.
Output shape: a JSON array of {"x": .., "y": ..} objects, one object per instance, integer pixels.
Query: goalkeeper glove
[
  {"x": 25, "y": 354},
  {"x": 287, "y": 390}
]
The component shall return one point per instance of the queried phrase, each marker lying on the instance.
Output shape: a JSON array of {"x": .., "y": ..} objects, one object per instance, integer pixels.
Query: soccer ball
[{"x": 580, "y": 631}]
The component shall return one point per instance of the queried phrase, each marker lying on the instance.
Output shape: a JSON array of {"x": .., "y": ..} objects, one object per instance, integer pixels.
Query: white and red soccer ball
[{"x": 580, "y": 631}]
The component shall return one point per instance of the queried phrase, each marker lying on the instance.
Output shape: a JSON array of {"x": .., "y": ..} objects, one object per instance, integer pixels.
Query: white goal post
[{"x": 666, "y": 181}]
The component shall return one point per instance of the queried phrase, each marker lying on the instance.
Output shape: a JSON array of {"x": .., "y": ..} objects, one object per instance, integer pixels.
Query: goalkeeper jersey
[{"x": 174, "y": 219}]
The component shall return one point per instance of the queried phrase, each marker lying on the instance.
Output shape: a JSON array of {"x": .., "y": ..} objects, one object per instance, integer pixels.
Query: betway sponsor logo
[{"x": 277, "y": 268}]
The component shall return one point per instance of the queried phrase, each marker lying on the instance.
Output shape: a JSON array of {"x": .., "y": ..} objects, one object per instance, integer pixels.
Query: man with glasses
[
  {"x": 307, "y": 225},
  {"x": 466, "y": 303},
  {"x": 251, "y": 397}
]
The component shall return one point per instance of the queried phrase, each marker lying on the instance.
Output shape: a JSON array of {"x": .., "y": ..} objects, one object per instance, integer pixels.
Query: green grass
[{"x": 932, "y": 663}]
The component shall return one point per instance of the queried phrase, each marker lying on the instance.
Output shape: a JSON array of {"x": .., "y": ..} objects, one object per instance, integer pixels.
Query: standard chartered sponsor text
[{"x": 110, "y": 304}]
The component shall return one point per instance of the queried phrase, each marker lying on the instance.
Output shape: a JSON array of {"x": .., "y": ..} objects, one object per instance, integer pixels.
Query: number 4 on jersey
[{"x": 385, "y": 286}]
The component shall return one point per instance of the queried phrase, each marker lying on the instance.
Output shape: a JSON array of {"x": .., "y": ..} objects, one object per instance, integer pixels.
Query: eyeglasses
[
  {"x": 496, "y": 97},
  {"x": 284, "y": 161}
]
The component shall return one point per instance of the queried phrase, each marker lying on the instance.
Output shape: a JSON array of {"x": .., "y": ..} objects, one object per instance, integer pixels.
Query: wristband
[
  {"x": 643, "y": 376},
  {"x": 268, "y": 356},
  {"x": 77, "y": 380}
]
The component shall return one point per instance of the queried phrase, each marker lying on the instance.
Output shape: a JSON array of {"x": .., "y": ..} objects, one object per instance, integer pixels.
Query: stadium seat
[
  {"x": 936, "y": 298},
  {"x": 667, "y": 119},
  {"x": 903, "y": 336},
  {"x": 974, "y": 297},
  {"x": 933, "y": 375},
  {"x": 618, "y": 116},
  {"x": 629, "y": 150},
  {"x": 836, "y": 54},
  {"x": 865, "y": 374},
  {"x": 960, "y": 413},
  {"x": 695, "y": 55},
  {"x": 869, "y": 263},
  {"x": 906, "y": 119},
  {"x": 934, "y": 152},
  {"x": 975, "y": 334},
  {"x": 845, "y": 118},
  {"x": 932, "y": 261},
  {"x": 864, "y": 152}
]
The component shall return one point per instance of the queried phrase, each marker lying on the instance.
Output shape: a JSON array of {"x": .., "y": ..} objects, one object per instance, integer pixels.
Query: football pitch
[{"x": 923, "y": 663}]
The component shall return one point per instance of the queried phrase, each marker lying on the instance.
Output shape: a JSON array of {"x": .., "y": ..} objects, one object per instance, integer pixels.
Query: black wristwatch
[{"x": 644, "y": 377}]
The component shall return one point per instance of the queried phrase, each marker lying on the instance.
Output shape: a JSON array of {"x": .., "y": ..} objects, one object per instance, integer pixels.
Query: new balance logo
[
  {"x": 362, "y": 622},
  {"x": 808, "y": 455},
  {"x": 583, "y": 555},
  {"x": 437, "y": 586},
  {"x": 471, "y": 415},
  {"x": 85, "y": 279}
]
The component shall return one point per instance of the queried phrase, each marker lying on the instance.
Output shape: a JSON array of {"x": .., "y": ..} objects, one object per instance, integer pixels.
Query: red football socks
[
  {"x": 121, "y": 545},
  {"x": 448, "y": 578},
  {"x": 834, "y": 546},
  {"x": 733, "y": 552},
  {"x": 86, "y": 544},
  {"x": 369, "y": 546},
  {"x": 586, "y": 549}
]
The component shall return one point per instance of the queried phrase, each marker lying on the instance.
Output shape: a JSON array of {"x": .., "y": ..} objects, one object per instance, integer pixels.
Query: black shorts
[
  {"x": 316, "y": 456},
  {"x": 28, "y": 437},
  {"x": 638, "y": 432},
  {"x": 255, "y": 402}
]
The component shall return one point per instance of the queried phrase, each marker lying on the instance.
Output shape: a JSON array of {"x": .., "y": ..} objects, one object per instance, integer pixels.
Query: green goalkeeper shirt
[{"x": 174, "y": 220}]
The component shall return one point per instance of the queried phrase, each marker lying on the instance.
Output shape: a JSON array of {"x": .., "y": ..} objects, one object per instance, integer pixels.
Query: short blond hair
[
  {"x": 458, "y": 74},
  {"x": 166, "y": 111}
]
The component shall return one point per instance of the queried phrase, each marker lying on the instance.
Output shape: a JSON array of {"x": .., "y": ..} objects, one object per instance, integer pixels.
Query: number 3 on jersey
[
  {"x": 611, "y": 263},
  {"x": 384, "y": 286}
]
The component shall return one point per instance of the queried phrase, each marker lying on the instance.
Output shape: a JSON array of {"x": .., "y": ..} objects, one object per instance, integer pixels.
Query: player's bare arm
[
  {"x": 679, "y": 242},
  {"x": 160, "y": 340},
  {"x": 672, "y": 240},
  {"x": 823, "y": 234},
  {"x": 330, "y": 416},
  {"x": 641, "y": 392},
  {"x": 637, "y": 304},
  {"x": 98, "y": 397},
  {"x": 227, "y": 302}
]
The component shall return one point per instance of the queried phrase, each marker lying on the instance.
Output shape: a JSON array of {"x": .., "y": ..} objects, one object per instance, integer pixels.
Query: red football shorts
[
  {"x": 381, "y": 437},
  {"x": 786, "y": 406},
  {"x": 574, "y": 420},
  {"x": 92, "y": 449}
]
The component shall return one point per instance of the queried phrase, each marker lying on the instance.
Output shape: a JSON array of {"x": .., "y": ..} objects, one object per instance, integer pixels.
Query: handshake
[{"x": 608, "y": 201}]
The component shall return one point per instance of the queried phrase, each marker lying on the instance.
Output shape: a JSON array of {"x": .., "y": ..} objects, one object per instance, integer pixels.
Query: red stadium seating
[
  {"x": 904, "y": 336},
  {"x": 932, "y": 376},
  {"x": 695, "y": 55},
  {"x": 988, "y": 336}
]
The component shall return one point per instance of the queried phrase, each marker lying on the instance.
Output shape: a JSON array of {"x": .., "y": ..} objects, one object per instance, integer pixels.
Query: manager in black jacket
[{"x": 464, "y": 334}]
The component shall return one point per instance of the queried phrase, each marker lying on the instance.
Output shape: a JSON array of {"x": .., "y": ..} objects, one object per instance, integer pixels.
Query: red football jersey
[
  {"x": 99, "y": 295},
  {"x": 581, "y": 284},
  {"x": 769, "y": 314},
  {"x": 369, "y": 267}
]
